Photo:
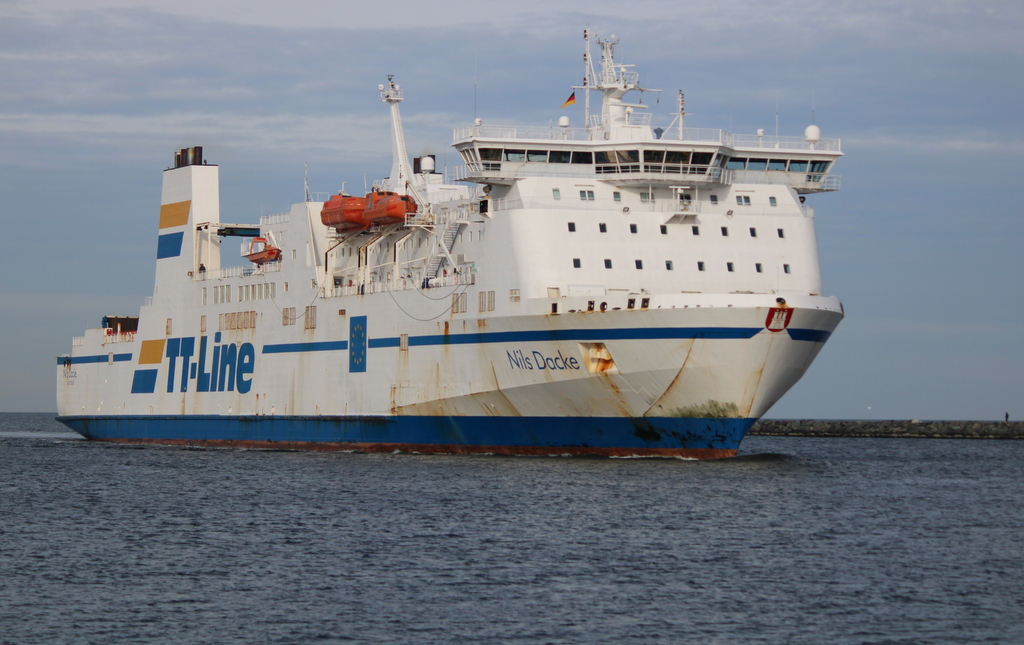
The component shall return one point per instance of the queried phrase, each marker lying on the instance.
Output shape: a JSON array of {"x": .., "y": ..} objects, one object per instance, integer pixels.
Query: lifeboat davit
[
  {"x": 343, "y": 212},
  {"x": 388, "y": 207},
  {"x": 261, "y": 252}
]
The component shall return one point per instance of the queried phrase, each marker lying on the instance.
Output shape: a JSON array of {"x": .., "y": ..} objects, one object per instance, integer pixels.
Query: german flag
[{"x": 570, "y": 101}]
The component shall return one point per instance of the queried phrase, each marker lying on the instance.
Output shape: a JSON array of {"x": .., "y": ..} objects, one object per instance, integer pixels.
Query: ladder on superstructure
[{"x": 451, "y": 231}]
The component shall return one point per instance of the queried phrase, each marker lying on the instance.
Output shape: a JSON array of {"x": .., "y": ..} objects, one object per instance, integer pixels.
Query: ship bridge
[
  {"x": 503, "y": 154},
  {"x": 618, "y": 145}
]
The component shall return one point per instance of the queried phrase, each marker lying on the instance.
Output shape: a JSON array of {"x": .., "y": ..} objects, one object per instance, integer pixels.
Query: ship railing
[
  {"x": 774, "y": 142},
  {"x": 118, "y": 337},
  {"x": 318, "y": 196},
  {"x": 78, "y": 341},
  {"x": 277, "y": 218},
  {"x": 810, "y": 182},
  {"x": 537, "y": 132},
  {"x": 696, "y": 135},
  {"x": 243, "y": 271},
  {"x": 356, "y": 288}
]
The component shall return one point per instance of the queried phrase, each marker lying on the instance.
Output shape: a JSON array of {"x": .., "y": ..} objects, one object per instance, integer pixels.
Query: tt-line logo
[{"x": 217, "y": 368}]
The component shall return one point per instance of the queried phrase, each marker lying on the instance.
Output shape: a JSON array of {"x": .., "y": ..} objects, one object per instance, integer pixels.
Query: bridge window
[
  {"x": 776, "y": 164},
  {"x": 736, "y": 163},
  {"x": 656, "y": 156},
  {"x": 534, "y": 156},
  {"x": 819, "y": 166},
  {"x": 559, "y": 156},
  {"x": 515, "y": 155},
  {"x": 672, "y": 156},
  {"x": 490, "y": 154},
  {"x": 646, "y": 197},
  {"x": 757, "y": 164},
  {"x": 797, "y": 166},
  {"x": 583, "y": 157}
]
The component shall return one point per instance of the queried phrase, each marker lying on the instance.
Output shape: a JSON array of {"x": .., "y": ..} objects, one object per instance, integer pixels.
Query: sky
[{"x": 922, "y": 244}]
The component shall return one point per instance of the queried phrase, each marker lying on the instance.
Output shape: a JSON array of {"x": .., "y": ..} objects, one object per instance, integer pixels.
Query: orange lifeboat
[
  {"x": 344, "y": 213},
  {"x": 388, "y": 207},
  {"x": 260, "y": 251}
]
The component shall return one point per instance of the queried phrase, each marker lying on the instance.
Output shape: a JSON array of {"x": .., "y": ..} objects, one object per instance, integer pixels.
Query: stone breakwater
[{"x": 898, "y": 429}]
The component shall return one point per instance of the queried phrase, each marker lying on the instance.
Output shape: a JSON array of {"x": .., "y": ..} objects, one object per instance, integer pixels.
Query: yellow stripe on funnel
[{"x": 175, "y": 214}]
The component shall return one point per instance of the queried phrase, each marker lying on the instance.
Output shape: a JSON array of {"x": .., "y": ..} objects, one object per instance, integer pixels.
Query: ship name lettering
[{"x": 520, "y": 360}]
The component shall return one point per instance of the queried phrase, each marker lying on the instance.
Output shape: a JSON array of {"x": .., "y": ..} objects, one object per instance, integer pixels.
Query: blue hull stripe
[
  {"x": 740, "y": 333},
  {"x": 285, "y": 348},
  {"x": 527, "y": 432},
  {"x": 813, "y": 335},
  {"x": 98, "y": 358}
]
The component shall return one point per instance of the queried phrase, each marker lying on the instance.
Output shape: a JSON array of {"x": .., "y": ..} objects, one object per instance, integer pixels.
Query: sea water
[{"x": 796, "y": 541}]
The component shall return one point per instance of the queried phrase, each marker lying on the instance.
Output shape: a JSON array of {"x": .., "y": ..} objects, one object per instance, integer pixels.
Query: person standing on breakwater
[{"x": 1007, "y": 417}]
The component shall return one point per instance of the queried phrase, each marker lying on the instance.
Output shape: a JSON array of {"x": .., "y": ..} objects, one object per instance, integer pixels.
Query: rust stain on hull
[{"x": 439, "y": 448}]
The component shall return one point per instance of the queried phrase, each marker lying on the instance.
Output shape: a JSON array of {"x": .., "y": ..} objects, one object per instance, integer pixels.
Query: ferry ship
[{"x": 613, "y": 289}]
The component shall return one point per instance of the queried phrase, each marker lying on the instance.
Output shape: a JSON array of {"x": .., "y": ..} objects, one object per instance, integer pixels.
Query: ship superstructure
[{"x": 612, "y": 289}]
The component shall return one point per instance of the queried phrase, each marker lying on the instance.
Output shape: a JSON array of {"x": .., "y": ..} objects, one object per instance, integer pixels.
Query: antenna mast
[
  {"x": 305, "y": 179},
  {"x": 400, "y": 174}
]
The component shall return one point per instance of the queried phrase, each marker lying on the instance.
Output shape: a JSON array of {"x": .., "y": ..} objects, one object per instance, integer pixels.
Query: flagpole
[{"x": 586, "y": 79}]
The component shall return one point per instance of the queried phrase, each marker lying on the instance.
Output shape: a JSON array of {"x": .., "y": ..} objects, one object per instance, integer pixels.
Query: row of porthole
[
  {"x": 603, "y": 228},
  {"x": 577, "y": 263}
]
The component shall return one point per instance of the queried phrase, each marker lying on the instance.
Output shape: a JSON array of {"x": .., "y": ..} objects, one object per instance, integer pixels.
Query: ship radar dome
[
  {"x": 812, "y": 134},
  {"x": 563, "y": 121}
]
